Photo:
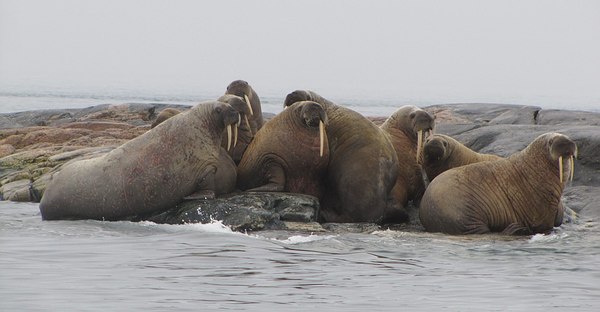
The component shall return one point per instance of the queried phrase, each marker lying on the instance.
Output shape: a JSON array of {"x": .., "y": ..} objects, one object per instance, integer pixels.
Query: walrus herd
[{"x": 360, "y": 172}]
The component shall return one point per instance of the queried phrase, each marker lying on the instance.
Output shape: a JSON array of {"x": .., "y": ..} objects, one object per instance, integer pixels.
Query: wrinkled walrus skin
[
  {"x": 289, "y": 154},
  {"x": 147, "y": 174},
  {"x": 363, "y": 165},
  {"x": 517, "y": 195}
]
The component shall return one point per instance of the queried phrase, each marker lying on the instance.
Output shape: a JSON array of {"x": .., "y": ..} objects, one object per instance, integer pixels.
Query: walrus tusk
[
  {"x": 249, "y": 105},
  {"x": 560, "y": 168},
  {"x": 228, "y": 137},
  {"x": 419, "y": 143},
  {"x": 235, "y": 134},
  {"x": 321, "y": 137},
  {"x": 572, "y": 167}
]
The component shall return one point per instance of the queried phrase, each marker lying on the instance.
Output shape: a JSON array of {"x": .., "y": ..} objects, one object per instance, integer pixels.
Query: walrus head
[
  {"x": 435, "y": 149},
  {"x": 240, "y": 105},
  {"x": 297, "y": 96},
  {"x": 242, "y": 89},
  {"x": 228, "y": 118},
  {"x": 416, "y": 124},
  {"x": 562, "y": 151},
  {"x": 313, "y": 116}
]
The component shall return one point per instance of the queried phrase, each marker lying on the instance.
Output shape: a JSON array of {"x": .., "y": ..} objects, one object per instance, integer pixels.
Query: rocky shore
[{"x": 34, "y": 144}]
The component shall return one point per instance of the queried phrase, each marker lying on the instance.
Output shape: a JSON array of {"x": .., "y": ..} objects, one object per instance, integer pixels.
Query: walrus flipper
[
  {"x": 205, "y": 186},
  {"x": 276, "y": 180}
]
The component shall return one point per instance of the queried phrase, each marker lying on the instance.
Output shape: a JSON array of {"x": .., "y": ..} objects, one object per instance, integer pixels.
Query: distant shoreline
[{"x": 26, "y": 100}]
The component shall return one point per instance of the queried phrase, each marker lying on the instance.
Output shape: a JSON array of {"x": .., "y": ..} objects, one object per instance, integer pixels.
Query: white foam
[
  {"x": 300, "y": 239},
  {"x": 215, "y": 226},
  {"x": 544, "y": 238}
]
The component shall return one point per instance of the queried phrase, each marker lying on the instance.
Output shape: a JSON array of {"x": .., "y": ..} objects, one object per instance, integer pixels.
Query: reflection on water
[{"x": 92, "y": 265}]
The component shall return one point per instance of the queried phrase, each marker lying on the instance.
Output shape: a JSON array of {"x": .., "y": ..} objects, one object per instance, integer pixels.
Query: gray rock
[{"x": 245, "y": 211}]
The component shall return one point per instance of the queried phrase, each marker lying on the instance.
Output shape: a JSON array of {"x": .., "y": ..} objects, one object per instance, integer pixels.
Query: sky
[{"x": 447, "y": 51}]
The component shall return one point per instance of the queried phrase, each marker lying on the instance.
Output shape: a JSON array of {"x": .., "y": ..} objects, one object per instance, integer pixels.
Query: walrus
[
  {"x": 226, "y": 179},
  {"x": 164, "y": 115},
  {"x": 289, "y": 154},
  {"x": 242, "y": 89},
  {"x": 519, "y": 195},
  {"x": 442, "y": 152},
  {"x": 244, "y": 132},
  {"x": 147, "y": 174},
  {"x": 363, "y": 166},
  {"x": 408, "y": 127}
]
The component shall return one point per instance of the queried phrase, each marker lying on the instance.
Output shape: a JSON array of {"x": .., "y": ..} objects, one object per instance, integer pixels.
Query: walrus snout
[
  {"x": 434, "y": 150},
  {"x": 237, "y": 102},
  {"x": 313, "y": 114},
  {"x": 423, "y": 120},
  {"x": 561, "y": 145}
]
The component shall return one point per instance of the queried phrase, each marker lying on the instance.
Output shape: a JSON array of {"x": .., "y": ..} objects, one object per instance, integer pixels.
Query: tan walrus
[
  {"x": 289, "y": 154},
  {"x": 408, "y": 127},
  {"x": 517, "y": 195},
  {"x": 442, "y": 152},
  {"x": 363, "y": 165},
  {"x": 149, "y": 173}
]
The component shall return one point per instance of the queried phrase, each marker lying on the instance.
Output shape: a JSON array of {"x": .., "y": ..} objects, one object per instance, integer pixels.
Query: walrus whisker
[
  {"x": 249, "y": 105},
  {"x": 560, "y": 168},
  {"x": 228, "y": 137},
  {"x": 321, "y": 137}
]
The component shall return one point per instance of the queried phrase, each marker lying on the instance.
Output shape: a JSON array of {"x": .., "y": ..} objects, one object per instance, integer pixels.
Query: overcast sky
[{"x": 455, "y": 50}]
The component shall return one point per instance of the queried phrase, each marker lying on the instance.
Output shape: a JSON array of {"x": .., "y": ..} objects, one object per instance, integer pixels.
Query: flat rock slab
[{"x": 246, "y": 211}]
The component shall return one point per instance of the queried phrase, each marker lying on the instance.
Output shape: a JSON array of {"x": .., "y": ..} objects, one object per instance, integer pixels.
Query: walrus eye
[
  {"x": 445, "y": 143},
  {"x": 412, "y": 115},
  {"x": 219, "y": 109}
]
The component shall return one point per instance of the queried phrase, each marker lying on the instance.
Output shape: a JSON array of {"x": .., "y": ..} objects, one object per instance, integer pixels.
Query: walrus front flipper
[
  {"x": 516, "y": 229},
  {"x": 275, "y": 176},
  {"x": 205, "y": 188}
]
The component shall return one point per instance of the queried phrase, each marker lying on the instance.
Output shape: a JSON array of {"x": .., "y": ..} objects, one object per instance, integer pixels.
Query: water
[
  {"x": 124, "y": 266},
  {"x": 99, "y": 266}
]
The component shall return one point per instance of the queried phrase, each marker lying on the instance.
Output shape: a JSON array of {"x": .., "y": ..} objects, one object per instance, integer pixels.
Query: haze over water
[{"x": 420, "y": 52}]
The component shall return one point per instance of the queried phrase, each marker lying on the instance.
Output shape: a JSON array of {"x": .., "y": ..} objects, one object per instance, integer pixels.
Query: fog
[{"x": 445, "y": 51}]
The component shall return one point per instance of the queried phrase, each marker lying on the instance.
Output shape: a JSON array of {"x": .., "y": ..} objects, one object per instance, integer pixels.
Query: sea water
[{"x": 124, "y": 266}]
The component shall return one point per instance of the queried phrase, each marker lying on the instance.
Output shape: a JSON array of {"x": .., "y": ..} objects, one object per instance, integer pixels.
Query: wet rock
[{"x": 245, "y": 211}]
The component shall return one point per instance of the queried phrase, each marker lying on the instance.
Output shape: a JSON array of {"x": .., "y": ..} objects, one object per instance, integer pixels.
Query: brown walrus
[
  {"x": 363, "y": 165},
  {"x": 441, "y": 153},
  {"x": 242, "y": 89},
  {"x": 149, "y": 173},
  {"x": 408, "y": 127},
  {"x": 289, "y": 154},
  {"x": 517, "y": 195},
  {"x": 244, "y": 132}
]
